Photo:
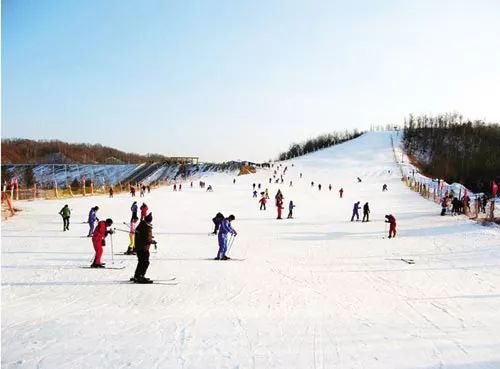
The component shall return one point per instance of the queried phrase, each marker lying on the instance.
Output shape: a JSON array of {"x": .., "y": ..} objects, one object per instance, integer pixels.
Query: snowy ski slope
[{"x": 317, "y": 291}]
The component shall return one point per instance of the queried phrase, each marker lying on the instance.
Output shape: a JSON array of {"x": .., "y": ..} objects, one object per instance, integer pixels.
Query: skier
[
  {"x": 291, "y": 184},
  {"x": 300, "y": 175},
  {"x": 254, "y": 193},
  {"x": 210, "y": 189},
  {"x": 149, "y": 187},
  {"x": 484, "y": 201},
  {"x": 279, "y": 206},
  {"x": 455, "y": 206},
  {"x": 111, "y": 192},
  {"x": 258, "y": 186},
  {"x": 384, "y": 188},
  {"x": 359, "y": 180},
  {"x": 131, "y": 235},
  {"x": 366, "y": 212},
  {"x": 65, "y": 213},
  {"x": 175, "y": 186},
  {"x": 355, "y": 209},
  {"x": 92, "y": 219},
  {"x": 392, "y": 225},
  {"x": 180, "y": 186},
  {"x": 141, "y": 191},
  {"x": 98, "y": 241},
  {"x": 262, "y": 202},
  {"x": 217, "y": 220},
  {"x": 253, "y": 186},
  {"x": 223, "y": 239},
  {"x": 312, "y": 184},
  {"x": 143, "y": 240},
  {"x": 132, "y": 191},
  {"x": 266, "y": 192},
  {"x": 270, "y": 180},
  {"x": 444, "y": 205},
  {"x": 133, "y": 208},
  {"x": 279, "y": 203},
  {"x": 319, "y": 186},
  {"x": 341, "y": 192},
  {"x": 290, "y": 210},
  {"x": 144, "y": 210},
  {"x": 234, "y": 180},
  {"x": 330, "y": 187}
]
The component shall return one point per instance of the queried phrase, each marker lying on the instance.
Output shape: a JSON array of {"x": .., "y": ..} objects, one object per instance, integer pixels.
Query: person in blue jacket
[
  {"x": 355, "y": 212},
  {"x": 92, "y": 219},
  {"x": 133, "y": 208},
  {"x": 224, "y": 228}
]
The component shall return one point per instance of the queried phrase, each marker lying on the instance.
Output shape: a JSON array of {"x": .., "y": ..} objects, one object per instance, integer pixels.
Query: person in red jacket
[
  {"x": 392, "y": 225},
  {"x": 100, "y": 233},
  {"x": 144, "y": 210},
  {"x": 262, "y": 202}
]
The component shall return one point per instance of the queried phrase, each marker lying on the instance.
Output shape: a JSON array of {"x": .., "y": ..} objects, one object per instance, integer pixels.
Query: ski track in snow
[{"x": 316, "y": 291}]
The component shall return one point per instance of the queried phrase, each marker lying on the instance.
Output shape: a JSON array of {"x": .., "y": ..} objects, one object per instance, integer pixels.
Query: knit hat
[{"x": 149, "y": 218}]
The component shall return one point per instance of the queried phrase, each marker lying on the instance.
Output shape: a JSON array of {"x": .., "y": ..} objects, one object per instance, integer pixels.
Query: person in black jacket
[
  {"x": 143, "y": 240},
  {"x": 366, "y": 213},
  {"x": 217, "y": 219}
]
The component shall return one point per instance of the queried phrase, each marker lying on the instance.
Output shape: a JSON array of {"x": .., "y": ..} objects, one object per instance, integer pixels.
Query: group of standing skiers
[{"x": 140, "y": 237}]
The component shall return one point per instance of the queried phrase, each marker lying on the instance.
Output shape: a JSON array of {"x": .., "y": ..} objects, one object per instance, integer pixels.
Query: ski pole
[
  {"x": 112, "y": 252},
  {"x": 121, "y": 230},
  {"x": 231, "y": 241}
]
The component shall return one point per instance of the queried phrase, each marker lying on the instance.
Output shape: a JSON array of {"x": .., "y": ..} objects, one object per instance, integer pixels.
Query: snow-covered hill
[{"x": 316, "y": 291}]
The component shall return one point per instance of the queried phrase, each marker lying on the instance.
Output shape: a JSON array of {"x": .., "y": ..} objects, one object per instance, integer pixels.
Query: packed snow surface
[{"x": 316, "y": 291}]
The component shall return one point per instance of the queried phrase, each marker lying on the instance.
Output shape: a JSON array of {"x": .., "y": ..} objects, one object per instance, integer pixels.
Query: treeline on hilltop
[
  {"x": 318, "y": 143},
  {"x": 24, "y": 151},
  {"x": 457, "y": 150}
]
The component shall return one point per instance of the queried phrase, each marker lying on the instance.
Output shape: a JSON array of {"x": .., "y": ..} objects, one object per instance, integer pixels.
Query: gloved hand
[
  {"x": 103, "y": 243},
  {"x": 111, "y": 231}
]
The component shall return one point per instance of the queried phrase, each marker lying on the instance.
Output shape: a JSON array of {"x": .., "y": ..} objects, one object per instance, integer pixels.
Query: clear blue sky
[{"x": 240, "y": 79}]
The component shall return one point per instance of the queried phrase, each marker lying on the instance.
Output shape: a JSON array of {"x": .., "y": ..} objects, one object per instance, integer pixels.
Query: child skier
[
  {"x": 254, "y": 193},
  {"x": 262, "y": 202},
  {"x": 131, "y": 235},
  {"x": 92, "y": 219},
  {"x": 366, "y": 212},
  {"x": 98, "y": 241},
  {"x": 223, "y": 239},
  {"x": 392, "y": 225},
  {"x": 355, "y": 213},
  {"x": 143, "y": 240},
  {"x": 65, "y": 213},
  {"x": 290, "y": 210},
  {"x": 384, "y": 188}
]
